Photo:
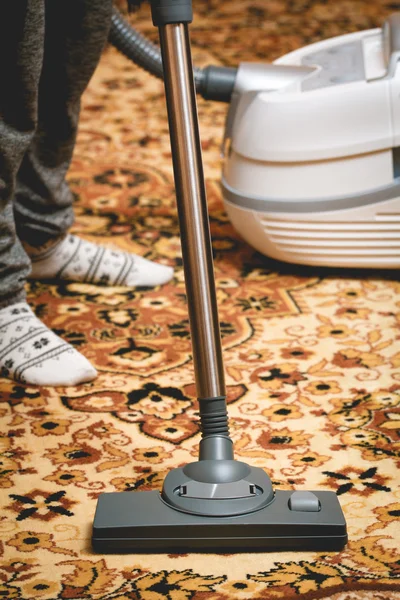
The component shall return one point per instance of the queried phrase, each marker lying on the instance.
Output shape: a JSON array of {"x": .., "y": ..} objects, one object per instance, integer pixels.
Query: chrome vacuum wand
[
  {"x": 216, "y": 503},
  {"x": 193, "y": 213}
]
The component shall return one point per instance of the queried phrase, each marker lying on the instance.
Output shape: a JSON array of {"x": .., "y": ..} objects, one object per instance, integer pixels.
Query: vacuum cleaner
[
  {"x": 311, "y": 170},
  {"x": 216, "y": 503}
]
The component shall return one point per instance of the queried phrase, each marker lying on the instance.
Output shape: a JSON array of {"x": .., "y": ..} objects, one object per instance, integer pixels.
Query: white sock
[
  {"x": 76, "y": 259},
  {"x": 31, "y": 353}
]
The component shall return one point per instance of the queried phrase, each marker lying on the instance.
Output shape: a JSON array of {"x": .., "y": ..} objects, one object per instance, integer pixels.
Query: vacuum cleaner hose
[{"x": 212, "y": 83}]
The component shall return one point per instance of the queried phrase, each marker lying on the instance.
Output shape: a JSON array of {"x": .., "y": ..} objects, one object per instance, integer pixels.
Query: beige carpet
[{"x": 312, "y": 360}]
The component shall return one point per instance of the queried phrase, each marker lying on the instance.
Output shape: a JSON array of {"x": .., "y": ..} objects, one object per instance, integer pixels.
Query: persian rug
[{"x": 312, "y": 359}]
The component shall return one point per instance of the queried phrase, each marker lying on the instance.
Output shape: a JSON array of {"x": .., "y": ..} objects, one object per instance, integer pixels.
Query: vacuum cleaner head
[
  {"x": 143, "y": 522},
  {"x": 312, "y": 152},
  {"x": 218, "y": 505}
]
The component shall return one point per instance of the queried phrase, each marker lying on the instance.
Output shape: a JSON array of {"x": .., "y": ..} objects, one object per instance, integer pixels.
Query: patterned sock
[
  {"x": 79, "y": 260},
  {"x": 31, "y": 353}
]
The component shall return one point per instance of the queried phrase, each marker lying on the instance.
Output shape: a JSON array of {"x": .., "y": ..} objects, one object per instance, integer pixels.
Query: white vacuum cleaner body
[{"x": 312, "y": 152}]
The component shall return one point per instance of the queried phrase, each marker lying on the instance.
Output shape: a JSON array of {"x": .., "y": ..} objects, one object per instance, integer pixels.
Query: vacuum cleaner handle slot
[{"x": 391, "y": 42}]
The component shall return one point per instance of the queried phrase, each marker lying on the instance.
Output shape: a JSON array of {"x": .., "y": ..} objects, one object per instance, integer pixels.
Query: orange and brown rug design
[{"x": 312, "y": 360}]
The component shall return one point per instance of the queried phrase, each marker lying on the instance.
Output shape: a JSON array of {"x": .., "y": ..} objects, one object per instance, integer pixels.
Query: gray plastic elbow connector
[{"x": 212, "y": 83}]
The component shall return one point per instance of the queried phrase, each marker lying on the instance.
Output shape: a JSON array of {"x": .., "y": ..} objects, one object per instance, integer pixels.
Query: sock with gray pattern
[
  {"x": 33, "y": 354},
  {"x": 76, "y": 259}
]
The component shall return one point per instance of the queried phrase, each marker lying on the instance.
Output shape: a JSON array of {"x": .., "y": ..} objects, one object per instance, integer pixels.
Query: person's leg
[
  {"x": 76, "y": 32},
  {"x": 21, "y": 48},
  {"x": 29, "y": 351}
]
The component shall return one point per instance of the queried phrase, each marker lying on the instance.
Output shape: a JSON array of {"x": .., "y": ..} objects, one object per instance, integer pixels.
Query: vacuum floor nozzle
[{"x": 143, "y": 522}]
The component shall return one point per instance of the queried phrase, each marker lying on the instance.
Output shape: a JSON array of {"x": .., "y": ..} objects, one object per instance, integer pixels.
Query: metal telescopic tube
[{"x": 192, "y": 210}]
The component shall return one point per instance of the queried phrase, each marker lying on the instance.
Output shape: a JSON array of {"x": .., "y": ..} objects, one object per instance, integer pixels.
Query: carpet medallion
[{"x": 312, "y": 360}]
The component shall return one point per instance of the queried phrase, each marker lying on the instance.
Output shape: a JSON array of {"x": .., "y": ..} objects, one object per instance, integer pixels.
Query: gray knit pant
[{"x": 48, "y": 52}]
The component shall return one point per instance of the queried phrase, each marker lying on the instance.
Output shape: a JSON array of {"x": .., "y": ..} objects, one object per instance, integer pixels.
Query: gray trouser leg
[
  {"x": 21, "y": 49},
  {"x": 76, "y": 32},
  {"x": 51, "y": 50}
]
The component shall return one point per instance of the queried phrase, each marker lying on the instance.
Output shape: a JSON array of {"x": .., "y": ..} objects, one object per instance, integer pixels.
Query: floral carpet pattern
[{"x": 312, "y": 360}]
